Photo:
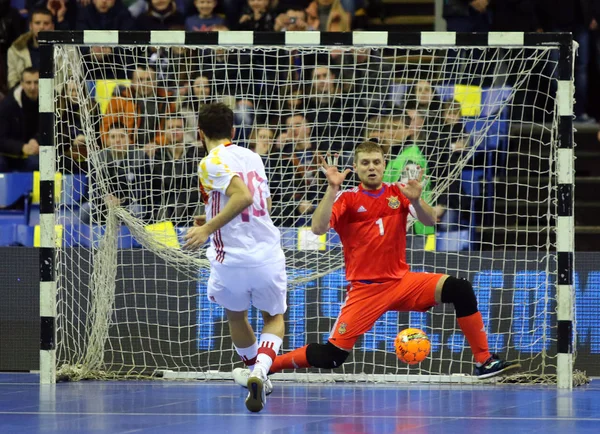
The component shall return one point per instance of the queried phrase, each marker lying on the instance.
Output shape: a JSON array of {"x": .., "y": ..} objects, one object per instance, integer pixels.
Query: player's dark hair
[
  {"x": 215, "y": 121},
  {"x": 367, "y": 147}
]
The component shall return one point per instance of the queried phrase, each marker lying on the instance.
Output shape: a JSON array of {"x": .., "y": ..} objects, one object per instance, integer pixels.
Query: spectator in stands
[
  {"x": 293, "y": 173},
  {"x": 11, "y": 26},
  {"x": 467, "y": 15},
  {"x": 161, "y": 15},
  {"x": 71, "y": 140},
  {"x": 141, "y": 106},
  {"x": 24, "y": 52},
  {"x": 406, "y": 161},
  {"x": 63, "y": 11},
  {"x": 105, "y": 15},
  {"x": 375, "y": 130},
  {"x": 364, "y": 76},
  {"x": 175, "y": 190},
  {"x": 424, "y": 97},
  {"x": 19, "y": 125},
  {"x": 328, "y": 16},
  {"x": 452, "y": 139},
  {"x": 257, "y": 16},
  {"x": 206, "y": 19},
  {"x": 394, "y": 136},
  {"x": 327, "y": 109},
  {"x": 188, "y": 104},
  {"x": 424, "y": 107},
  {"x": 293, "y": 99},
  {"x": 452, "y": 206},
  {"x": 126, "y": 174},
  {"x": 261, "y": 141},
  {"x": 234, "y": 74},
  {"x": 175, "y": 66},
  {"x": 577, "y": 17},
  {"x": 292, "y": 20}
]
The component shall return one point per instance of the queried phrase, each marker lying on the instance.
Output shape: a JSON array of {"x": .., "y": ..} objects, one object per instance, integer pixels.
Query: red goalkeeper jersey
[{"x": 372, "y": 227}]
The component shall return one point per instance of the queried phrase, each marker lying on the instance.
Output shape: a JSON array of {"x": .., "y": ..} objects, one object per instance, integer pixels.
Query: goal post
[{"x": 489, "y": 117}]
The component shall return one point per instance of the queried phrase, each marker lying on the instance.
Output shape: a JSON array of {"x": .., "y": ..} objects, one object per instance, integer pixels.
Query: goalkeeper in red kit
[{"x": 371, "y": 222}]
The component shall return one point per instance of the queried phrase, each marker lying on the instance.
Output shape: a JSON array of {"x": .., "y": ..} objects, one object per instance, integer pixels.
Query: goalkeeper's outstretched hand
[
  {"x": 413, "y": 188},
  {"x": 329, "y": 168}
]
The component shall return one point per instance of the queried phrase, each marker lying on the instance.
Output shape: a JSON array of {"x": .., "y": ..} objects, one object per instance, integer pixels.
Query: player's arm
[
  {"x": 218, "y": 177},
  {"x": 322, "y": 215},
  {"x": 424, "y": 212},
  {"x": 239, "y": 199},
  {"x": 269, "y": 204}
]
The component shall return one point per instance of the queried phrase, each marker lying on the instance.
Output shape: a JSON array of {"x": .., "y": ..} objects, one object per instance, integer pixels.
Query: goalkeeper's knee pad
[
  {"x": 325, "y": 356},
  {"x": 460, "y": 293}
]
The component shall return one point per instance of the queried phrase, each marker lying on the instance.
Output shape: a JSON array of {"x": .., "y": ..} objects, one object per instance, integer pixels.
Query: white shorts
[{"x": 236, "y": 288}]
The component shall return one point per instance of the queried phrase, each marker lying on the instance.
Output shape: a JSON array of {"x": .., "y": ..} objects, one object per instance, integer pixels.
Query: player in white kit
[{"x": 247, "y": 262}]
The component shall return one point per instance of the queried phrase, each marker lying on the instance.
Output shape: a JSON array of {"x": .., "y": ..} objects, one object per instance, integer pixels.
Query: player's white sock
[
  {"x": 267, "y": 351},
  {"x": 248, "y": 355}
]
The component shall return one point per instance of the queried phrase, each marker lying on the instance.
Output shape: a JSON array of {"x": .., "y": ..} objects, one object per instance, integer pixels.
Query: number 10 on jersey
[{"x": 254, "y": 184}]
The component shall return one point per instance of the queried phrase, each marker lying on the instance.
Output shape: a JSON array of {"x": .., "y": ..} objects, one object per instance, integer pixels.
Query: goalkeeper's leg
[
  {"x": 324, "y": 356},
  {"x": 460, "y": 293}
]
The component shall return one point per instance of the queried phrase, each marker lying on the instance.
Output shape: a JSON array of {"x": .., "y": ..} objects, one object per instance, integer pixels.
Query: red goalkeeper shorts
[{"x": 367, "y": 302}]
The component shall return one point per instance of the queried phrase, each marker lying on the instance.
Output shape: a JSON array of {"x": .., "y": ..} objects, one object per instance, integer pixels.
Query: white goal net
[{"x": 482, "y": 122}]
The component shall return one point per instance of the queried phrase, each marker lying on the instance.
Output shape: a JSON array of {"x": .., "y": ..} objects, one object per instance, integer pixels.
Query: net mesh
[{"x": 480, "y": 122}]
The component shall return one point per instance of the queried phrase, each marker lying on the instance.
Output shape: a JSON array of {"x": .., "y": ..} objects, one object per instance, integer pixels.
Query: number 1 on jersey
[{"x": 379, "y": 222}]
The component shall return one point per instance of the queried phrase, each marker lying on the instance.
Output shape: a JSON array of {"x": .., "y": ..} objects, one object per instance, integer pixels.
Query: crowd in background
[{"x": 289, "y": 105}]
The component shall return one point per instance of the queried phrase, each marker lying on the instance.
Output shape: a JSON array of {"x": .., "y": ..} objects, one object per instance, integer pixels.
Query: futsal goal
[{"x": 487, "y": 116}]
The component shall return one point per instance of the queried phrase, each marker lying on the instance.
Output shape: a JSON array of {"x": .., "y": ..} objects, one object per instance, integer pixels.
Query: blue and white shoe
[
  {"x": 257, "y": 398},
  {"x": 495, "y": 366},
  {"x": 241, "y": 375}
]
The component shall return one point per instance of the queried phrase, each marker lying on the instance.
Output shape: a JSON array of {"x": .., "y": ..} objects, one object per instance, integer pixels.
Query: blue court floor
[{"x": 213, "y": 408}]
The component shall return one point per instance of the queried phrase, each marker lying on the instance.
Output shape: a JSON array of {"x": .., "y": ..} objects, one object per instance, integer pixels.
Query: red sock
[
  {"x": 293, "y": 360},
  {"x": 474, "y": 330}
]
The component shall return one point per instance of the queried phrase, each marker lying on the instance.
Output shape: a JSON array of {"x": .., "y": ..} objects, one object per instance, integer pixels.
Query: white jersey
[{"x": 250, "y": 239}]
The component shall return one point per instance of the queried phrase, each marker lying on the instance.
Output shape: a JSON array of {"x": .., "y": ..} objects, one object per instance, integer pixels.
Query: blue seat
[
  {"x": 73, "y": 189},
  {"x": 493, "y": 100},
  {"x": 15, "y": 187}
]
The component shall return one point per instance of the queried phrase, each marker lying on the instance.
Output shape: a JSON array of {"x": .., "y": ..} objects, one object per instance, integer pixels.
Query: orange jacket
[{"x": 122, "y": 109}]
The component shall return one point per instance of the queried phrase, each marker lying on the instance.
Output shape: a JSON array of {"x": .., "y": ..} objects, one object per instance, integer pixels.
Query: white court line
[{"x": 355, "y": 416}]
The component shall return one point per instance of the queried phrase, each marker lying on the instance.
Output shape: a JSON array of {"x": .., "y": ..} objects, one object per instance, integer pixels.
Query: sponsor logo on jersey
[
  {"x": 393, "y": 202},
  {"x": 342, "y": 328},
  {"x": 361, "y": 209}
]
